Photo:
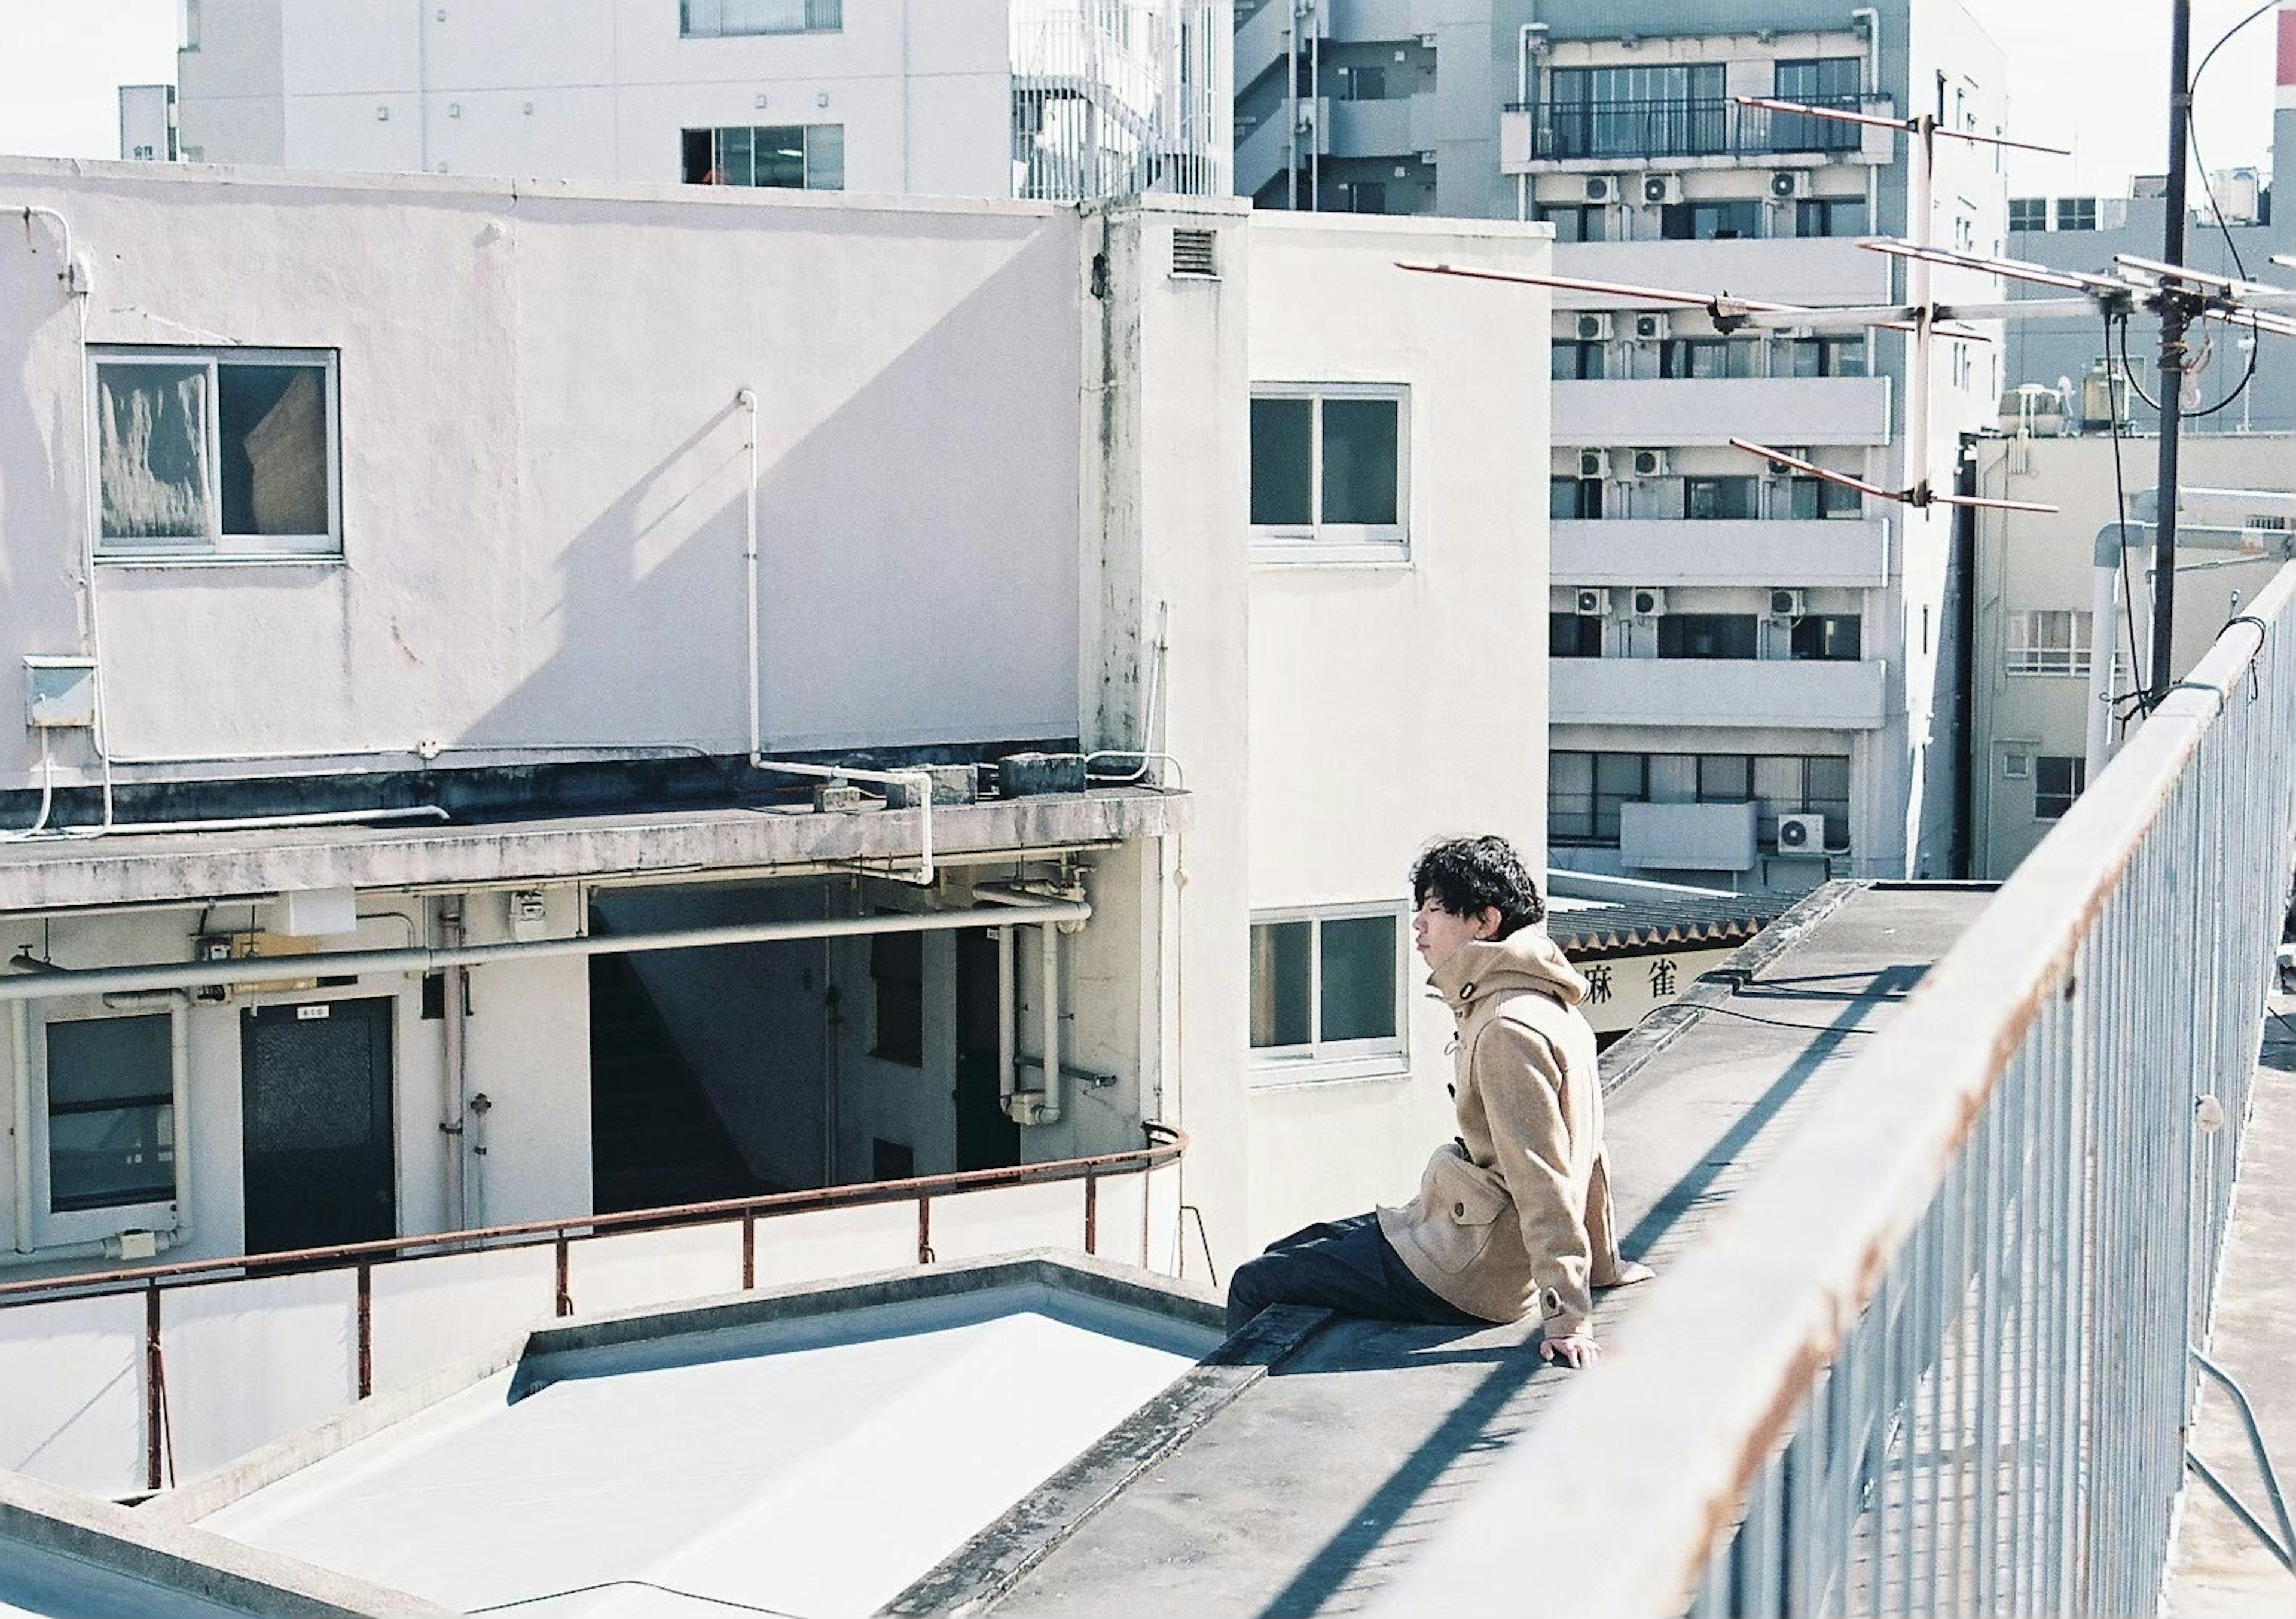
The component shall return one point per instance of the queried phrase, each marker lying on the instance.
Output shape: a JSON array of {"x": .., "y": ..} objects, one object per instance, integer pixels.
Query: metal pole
[
  {"x": 1292, "y": 110},
  {"x": 2172, "y": 353}
]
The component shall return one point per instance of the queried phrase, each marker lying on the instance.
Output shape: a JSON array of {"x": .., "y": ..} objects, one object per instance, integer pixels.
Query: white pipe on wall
[
  {"x": 748, "y": 400},
  {"x": 1008, "y": 1043},
  {"x": 20, "y": 1120},
  {"x": 454, "y": 1123},
  {"x": 262, "y": 969}
]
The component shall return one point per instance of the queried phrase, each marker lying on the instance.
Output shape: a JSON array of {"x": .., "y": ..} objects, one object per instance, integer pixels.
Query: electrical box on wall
[{"x": 60, "y": 693}]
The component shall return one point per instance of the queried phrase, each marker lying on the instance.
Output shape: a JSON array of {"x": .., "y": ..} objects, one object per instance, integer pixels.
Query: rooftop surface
[
  {"x": 1302, "y": 1492},
  {"x": 812, "y": 1466}
]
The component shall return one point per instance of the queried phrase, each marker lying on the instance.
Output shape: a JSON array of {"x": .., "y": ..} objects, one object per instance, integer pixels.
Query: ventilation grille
[{"x": 1191, "y": 254}]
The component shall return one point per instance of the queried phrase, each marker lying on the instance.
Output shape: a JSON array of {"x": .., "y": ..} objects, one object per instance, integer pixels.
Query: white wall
[
  {"x": 596, "y": 90},
  {"x": 543, "y": 465},
  {"x": 1394, "y": 705}
]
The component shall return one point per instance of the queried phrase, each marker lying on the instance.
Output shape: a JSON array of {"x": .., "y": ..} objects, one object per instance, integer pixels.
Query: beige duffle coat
[{"x": 1515, "y": 1215}]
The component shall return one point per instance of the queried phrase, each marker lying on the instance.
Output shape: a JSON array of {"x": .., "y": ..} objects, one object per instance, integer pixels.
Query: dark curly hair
[{"x": 1467, "y": 875}]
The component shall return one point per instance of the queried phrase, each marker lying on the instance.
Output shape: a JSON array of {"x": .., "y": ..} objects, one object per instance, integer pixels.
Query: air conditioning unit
[
  {"x": 1786, "y": 604},
  {"x": 1651, "y": 328},
  {"x": 1648, "y": 601},
  {"x": 1602, "y": 188},
  {"x": 1661, "y": 189},
  {"x": 1787, "y": 184},
  {"x": 1649, "y": 464},
  {"x": 1593, "y": 463},
  {"x": 1592, "y": 604},
  {"x": 1801, "y": 834},
  {"x": 1593, "y": 327}
]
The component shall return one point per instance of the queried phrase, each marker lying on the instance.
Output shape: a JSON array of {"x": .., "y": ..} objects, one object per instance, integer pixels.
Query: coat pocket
[{"x": 1460, "y": 1205}]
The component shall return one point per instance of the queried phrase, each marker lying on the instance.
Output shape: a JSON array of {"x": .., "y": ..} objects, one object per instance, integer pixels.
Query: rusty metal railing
[
  {"x": 1936, "y": 1358},
  {"x": 1166, "y": 1145}
]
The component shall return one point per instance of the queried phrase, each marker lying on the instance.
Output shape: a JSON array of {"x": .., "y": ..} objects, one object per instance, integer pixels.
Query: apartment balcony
[
  {"x": 1541, "y": 136},
  {"x": 1687, "y": 691},
  {"x": 1263, "y": 36},
  {"x": 1783, "y": 269},
  {"x": 1820, "y": 553},
  {"x": 1376, "y": 128},
  {"x": 1262, "y": 150},
  {"x": 1710, "y": 411}
]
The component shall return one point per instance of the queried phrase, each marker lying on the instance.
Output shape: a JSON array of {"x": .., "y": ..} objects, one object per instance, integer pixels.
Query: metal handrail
[
  {"x": 1688, "y": 127},
  {"x": 2007, "y": 1193},
  {"x": 1167, "y": 1143}
]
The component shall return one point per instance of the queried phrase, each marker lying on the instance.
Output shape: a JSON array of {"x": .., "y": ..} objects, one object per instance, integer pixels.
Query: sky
[{"x": 2087, "y": 74}]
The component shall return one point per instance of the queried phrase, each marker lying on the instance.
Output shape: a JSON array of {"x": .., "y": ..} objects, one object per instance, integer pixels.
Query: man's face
[{"x": 1439, "y": 933}]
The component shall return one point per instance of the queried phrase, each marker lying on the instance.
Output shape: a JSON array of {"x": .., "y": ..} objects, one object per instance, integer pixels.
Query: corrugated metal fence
[{"x": 1937, "y": 1358}]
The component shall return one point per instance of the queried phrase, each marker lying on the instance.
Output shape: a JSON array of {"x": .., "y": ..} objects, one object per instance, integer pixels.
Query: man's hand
[{"x": 1577, "y": 1352}]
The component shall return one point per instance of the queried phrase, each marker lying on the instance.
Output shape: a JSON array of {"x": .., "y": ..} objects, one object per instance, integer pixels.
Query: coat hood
[{"x": 1525, "y": 960}]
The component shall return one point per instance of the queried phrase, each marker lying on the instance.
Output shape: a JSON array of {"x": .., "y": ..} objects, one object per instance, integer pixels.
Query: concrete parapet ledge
[{"x": 136, "y": 1566}]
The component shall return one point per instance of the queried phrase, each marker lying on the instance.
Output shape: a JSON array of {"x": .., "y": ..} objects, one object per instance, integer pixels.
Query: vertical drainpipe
[
  {"x": 458, "y": 1202},
  {"x": 1962, "y": 856}
]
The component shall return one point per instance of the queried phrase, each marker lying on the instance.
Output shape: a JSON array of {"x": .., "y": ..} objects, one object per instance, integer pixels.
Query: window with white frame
[
  {"x": 2049, "y": 641},
  {"x": 725, "y": 19},
  {"x": 110, "y": 1112},
  {"x": 1327, "y": 989},
  {"x": 203, "y": 453},
  {"x": 2057, "y": 780},
  {"x": 1329, "y": 472}
]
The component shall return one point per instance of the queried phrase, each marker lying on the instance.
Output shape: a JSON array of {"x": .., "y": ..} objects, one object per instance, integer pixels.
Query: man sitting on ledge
[{"x": 1515, "y": 1212}]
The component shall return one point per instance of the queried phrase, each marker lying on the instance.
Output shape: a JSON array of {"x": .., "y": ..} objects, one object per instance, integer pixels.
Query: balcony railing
[
  {"x": 120, "y": 1383},
  {"x": 1938, "y": 1359},
  {"x": 1632, "y": 131}
]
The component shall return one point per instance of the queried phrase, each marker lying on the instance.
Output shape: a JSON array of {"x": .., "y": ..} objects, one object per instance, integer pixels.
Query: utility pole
[{"x": 2174, "y": 316}]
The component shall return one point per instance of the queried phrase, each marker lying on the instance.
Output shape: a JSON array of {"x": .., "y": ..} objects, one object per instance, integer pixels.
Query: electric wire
[
  {"x": 690, "y": 1596},
  {"x": 1785, "y": 1023},
  {"x": 2208, "y": 190},
  {"x": 2120, "y": 499}
]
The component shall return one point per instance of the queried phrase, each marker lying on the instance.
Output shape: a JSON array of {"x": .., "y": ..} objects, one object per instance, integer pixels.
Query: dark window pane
[
  {"x": 1724, "y": 778},
  {"x": 111, "y": 1121},
  {"x": 1574, "y": 635},
  {"x": 734, "y": 167},
  {"x": 2057, "y": 782},
  {"x": 1707, "y": 635},
  {"x": 1281, "y": 465},
  {"x": 1359, "y": 460},
  {"x": 271, "y": 421},
  {"x": 1358, "y": 987},
  {"x": 696, "y": 161},
  {"x": 896, "y": 970},
  {"x": 779, "y": 157},
  {"x": 1826, "y": 637},
  {"x": 1721, "y": 498},
  {"x": 1619, "y": 779},
  {"x": 104, "y": 1061},
  {"x": 1279, "y": 985}
]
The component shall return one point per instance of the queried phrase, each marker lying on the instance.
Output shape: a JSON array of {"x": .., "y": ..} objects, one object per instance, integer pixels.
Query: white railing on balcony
[
  {"x": 1650, "y": 411},
  {"x": 123, "y": 1384},
  {"x": 1936, "y": 1360},
  {"x": 1835, "y": 552},
  {"x": 1795, "y": 694},
  {"x": 1113, "y": 98}
]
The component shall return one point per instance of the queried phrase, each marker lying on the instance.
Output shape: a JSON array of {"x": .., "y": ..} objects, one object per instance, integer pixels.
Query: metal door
[
  {"x": 986, "y": 1138},
  {"x": 316, "y": 1122}
]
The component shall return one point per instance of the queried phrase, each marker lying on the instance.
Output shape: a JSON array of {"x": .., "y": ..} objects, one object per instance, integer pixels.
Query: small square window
[
  {"x": 202, "y": 454},
  {"x": 2057, "y": 782},
  {"x": 2016, "y": 766},
  {"x": 1329, "y": 474},
  {"x": 1326, "y": 989}
]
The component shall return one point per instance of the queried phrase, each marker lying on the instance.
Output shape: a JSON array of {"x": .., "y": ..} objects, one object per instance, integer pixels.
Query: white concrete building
[
  {"x": 396, "y": 572},
  {"x": 2037, "y": 641},
  {"x": 1817, "y": 621},
  {"x": 1063, "y": 99}
]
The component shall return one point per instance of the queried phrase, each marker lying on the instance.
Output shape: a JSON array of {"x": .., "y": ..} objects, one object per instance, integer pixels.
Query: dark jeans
[{"x": 1344, "y": 1265}]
